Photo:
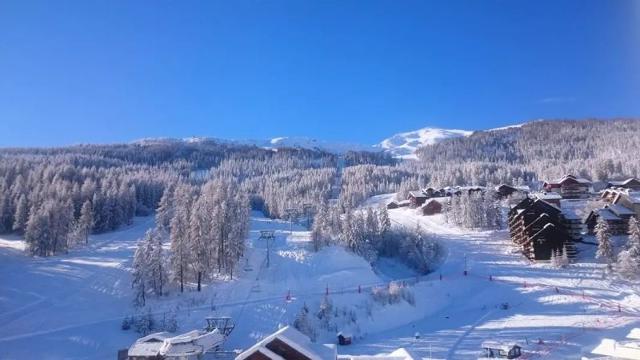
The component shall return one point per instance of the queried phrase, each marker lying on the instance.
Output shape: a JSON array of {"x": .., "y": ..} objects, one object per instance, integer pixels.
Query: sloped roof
[
  {"x": 623, "y": 182},
  {"x": 190, "y": 343},
  {"x": 548, "y": 196},
  {"x": 547, "y": 227},
  {"x": 620, "y": 210},
  {"x": 295, "y": 340},
  {"x": 417, "y": 194},
  {"x": 570, "y": 177},
  {"x": 607, "y": 214}
]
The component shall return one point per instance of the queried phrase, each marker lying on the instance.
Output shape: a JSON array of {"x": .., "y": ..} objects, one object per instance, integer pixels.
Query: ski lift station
[{"x": 193, "y": 345}]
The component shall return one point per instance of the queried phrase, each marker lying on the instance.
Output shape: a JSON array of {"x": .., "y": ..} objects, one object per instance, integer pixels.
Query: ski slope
[{"x": 71, "y": 306}]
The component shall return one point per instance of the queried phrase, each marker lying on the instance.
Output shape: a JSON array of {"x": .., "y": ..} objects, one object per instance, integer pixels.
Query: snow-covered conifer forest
[{"x": 102, "y": 244}]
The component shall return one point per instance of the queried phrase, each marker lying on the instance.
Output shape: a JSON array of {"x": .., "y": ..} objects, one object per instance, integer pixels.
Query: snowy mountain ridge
[
  {"x": 404, "y": 145},
  {"x": 401, "y": 145}
]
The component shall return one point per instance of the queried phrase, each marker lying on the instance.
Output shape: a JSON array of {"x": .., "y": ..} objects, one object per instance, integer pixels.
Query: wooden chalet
[
  {"x": 630, "y": 200},
  {"x": 505, "y": 191},
  {"x": 569, "y": 187},
  {"x": 538, "y": 227},
  {"x": 631, "y": 183},
  {"x": 552, "y": 198},
  {"x": 417, "y": 198},
  {"x": 431, "y": 207},
  {"x": 432, "y": 192},
  {"x": 288, "y": 344},
  {"x": 397, "y": 204},
  {"x": 618, "y": 225}
]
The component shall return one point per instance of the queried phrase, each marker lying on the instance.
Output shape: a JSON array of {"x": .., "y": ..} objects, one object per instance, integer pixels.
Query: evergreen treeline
[
  {"x": 597, "y": 149},
  {"x": 474, "y": 210},
  {"x": 56, "y": 197},
  {"x": 370, "y": 234},
  {"x": 206, "y": 227}
]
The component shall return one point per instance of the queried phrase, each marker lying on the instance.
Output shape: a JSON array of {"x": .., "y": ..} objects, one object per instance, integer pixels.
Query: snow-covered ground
[{"x": 71, "y": 306}]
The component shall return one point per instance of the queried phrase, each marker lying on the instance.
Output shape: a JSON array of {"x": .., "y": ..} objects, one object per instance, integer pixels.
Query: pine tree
[
  {"x": 565, "y": 256},
  {"x": 302, "y": 323},
  {"x": 605, "y": 248},
  {"x": 181, "y": 251},
  {"x": 22, "y": 215},
  {"x": 85, "y": 222},
  {"x": 156, "y": 264},
  {"x": 140, "y": 272},
  {"x": 629, "y": 259}
]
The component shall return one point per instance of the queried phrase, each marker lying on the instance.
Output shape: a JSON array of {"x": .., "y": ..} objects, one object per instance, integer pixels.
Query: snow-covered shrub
[
  {"x": 145, "y": 323},
  {"x": 392, "y": 294},
  {"x": 325, "y": 312},
  {"x": 304, "y": 324}
]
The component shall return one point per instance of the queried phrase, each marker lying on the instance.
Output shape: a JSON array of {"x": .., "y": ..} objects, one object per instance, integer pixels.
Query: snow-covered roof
[
  {"x": 417, "y": 194},
  {"x": 191, "y": 343},
  {"x": 149, "y": 345},
  {"x": 622, "y": 182},
  {"x": 577, "y": 179},
  {"x": 607, "y": 214},
  {"x": 548, "y": 196},
  {"x": 618, "y": 350},
  {"x": 634, "y": 334},
  {"x": 295, "y": 340},
  {"x": 504, "y": 346},
  {"x": 398, "y": 354},
  {"x": 571, "y": 214},
  {"x": 620, "y": 210}
]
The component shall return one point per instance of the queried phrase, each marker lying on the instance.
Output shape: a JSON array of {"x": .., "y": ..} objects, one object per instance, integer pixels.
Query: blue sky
[{"x": 113, "y": 71}]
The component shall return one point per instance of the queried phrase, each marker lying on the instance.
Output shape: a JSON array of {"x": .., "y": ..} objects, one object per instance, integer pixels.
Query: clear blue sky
[{"x": 113, "y": 71}]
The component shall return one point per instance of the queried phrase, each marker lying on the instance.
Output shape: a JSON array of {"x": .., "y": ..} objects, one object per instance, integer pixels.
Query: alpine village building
[{"x": 539, "y": 229}]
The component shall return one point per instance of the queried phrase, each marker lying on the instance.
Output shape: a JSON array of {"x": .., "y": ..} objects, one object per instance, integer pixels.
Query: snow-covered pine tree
[
  {"x": 21, "y": 215},
  {"x": 181, "y": 247},
  {"x": 140, "y": 269},
  {"x": 320, "y": 229},
  {"x": 384, "y": 226},
  {"x": 303, "y": 324},
  {"x": 371, "y": 227},
  {"x": 565, "y": 261},
  {"x": 85, "y": 221},
  {"x": 629, "y": 259},
  {"x": 605, "y": 248},
  {"x": 164, "y": 213},
  {"x": 156, "y": 263}
]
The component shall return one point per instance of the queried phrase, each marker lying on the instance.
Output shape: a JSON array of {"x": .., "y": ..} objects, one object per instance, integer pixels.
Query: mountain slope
[{"x": 404, "y": 145}]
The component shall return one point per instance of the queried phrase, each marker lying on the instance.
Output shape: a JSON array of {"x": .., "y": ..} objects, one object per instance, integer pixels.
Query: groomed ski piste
[{"x": 71, "y": 306}]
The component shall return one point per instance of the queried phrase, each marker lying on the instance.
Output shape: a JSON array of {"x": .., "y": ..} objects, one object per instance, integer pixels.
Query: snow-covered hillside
[
  {"x": 404, "y": 145},
  {"x": 71, "y": 306},
  {"x": 302, "y": 142}
]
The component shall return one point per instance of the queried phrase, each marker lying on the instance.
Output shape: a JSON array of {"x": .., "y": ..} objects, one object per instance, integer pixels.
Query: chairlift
[{"x": 224, "y": 324}]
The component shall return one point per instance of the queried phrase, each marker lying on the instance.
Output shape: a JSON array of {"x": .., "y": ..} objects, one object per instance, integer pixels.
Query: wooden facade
[
  {"x": 569, "y": 187},
  {"x": 539, "y": 228},
  {"x": 417, "y": 198},
  {"x": 431, "y": 207},
  {"x": 618, "y": 225},
  {"x": 631, "y": 183}
]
